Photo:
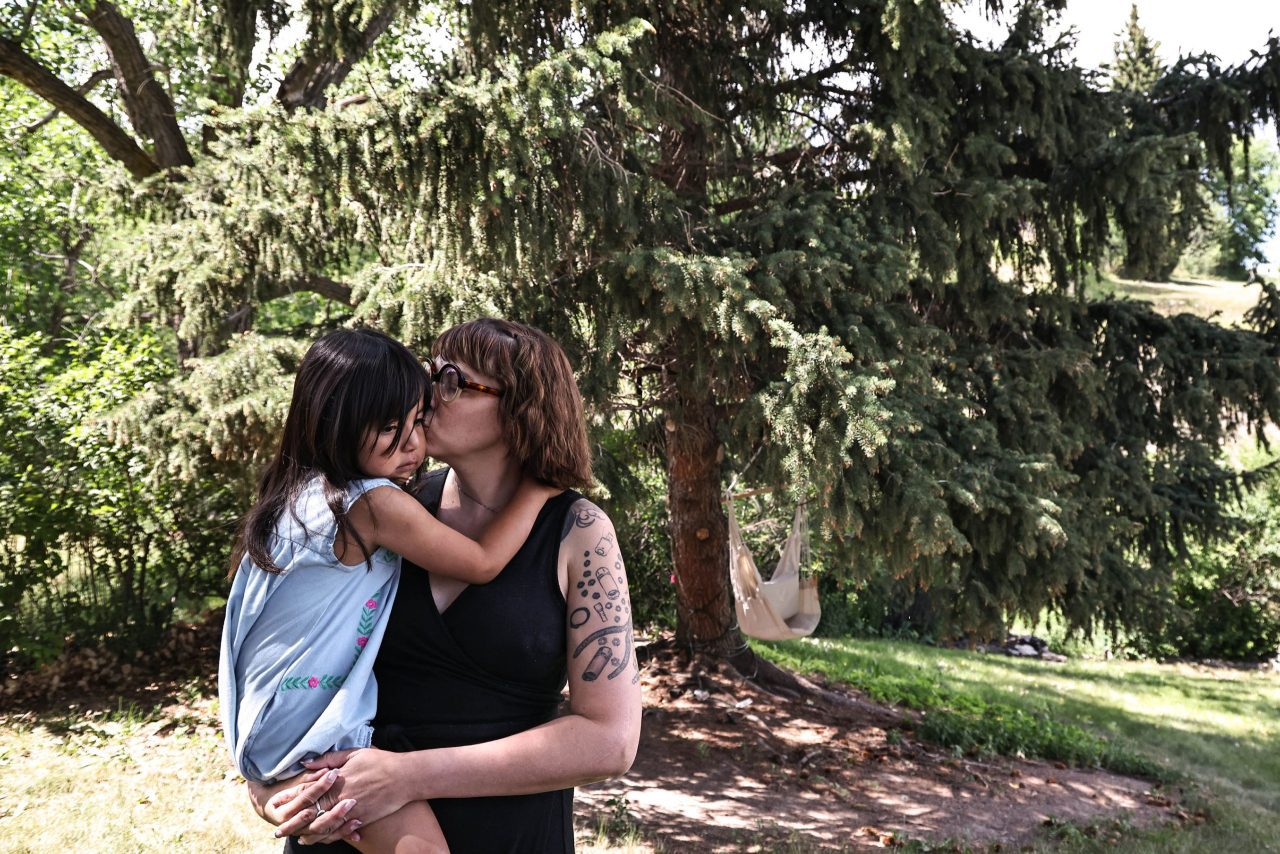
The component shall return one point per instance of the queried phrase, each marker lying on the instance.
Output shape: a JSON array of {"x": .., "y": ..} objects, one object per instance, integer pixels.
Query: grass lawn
[
  {"x": 123, "y": 780},
  {"x": 133, "y": 781},
  {"x": 157, "y": 780},
  {"x": 1217, "y": 728},
  {"x": 1226, "y": 301}
]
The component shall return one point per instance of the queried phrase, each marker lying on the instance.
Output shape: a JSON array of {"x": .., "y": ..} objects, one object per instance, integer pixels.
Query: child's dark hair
[{"x": 349, "y": 381}]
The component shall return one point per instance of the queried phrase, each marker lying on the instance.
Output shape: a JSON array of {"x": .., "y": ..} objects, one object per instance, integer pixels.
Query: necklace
[{"x": 473, "y": 499}]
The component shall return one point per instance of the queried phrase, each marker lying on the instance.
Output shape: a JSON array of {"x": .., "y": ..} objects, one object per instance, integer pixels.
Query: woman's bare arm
[{"x": 595, "y": 740}]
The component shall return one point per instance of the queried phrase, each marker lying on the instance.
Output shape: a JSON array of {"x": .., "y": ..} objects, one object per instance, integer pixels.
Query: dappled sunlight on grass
[
  {"x": 1217, "y": 726},
  {"x": 123, "y": 781}
]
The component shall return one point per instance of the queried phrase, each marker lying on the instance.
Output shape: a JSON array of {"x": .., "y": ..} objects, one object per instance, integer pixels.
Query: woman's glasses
[{"x": 449, "y": 383}]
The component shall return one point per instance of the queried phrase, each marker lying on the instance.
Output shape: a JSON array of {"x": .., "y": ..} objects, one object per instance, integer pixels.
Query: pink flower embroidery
[
  {"x": 313, "y": 682},
  {"x": 371, "y": 604},
  {"x": 361, "y": 641}
]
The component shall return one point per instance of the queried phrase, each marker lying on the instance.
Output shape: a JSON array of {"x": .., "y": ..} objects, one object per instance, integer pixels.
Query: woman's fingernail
[
  {"x": 357, "y": 824},
  {"x": 348, "y": 805},
  {"x": 355, "y": 837},
  {"x": 331, "y": 776}
]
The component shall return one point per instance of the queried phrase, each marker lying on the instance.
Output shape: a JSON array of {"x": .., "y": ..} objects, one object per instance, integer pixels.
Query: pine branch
[
  {"x": 83, "y": 89},
  {"x": 318, "y": 69},
  {"x": 150, "y": 109},
  {"x": 322, "y": 285},
  {"x": 17, "y": 64}
]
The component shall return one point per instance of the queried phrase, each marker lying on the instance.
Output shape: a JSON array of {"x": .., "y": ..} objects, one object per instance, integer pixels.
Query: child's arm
[{"x": 394, "y": 519}]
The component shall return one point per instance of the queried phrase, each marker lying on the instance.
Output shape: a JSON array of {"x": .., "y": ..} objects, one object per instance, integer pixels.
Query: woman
[{"x": 469, "y": 677}]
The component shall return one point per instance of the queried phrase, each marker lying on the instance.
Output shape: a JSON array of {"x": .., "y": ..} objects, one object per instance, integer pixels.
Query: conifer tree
[
  {"x": 1158, "y": 222},
  {"x": 1137, "y": 66},
  {"x": 751, "y": 248}
]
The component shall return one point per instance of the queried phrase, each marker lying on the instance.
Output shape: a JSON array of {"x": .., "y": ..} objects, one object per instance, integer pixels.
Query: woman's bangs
[{"x": 476, "y": 344}]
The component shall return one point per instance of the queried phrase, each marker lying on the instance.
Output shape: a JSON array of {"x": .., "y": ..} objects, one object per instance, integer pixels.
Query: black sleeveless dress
[{"x": 492, "y": 665}]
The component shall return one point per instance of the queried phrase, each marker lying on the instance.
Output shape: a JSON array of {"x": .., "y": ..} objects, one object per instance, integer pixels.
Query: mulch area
[
  {"x": 722, "y": 766},
  {"x": 182, "y": 665},
  {"x": 726, "y": 766}
]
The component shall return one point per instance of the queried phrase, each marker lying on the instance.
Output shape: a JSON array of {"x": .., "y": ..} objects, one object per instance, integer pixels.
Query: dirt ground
[
  {"x": 725, "y": 766},
  {"x": 722, "y": 765}
]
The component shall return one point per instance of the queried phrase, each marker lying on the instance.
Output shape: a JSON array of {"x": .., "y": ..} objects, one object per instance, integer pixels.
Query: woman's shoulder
[{"x": 582, "y": 514}]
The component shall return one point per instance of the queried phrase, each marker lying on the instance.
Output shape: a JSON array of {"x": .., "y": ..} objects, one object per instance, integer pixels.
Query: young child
[{"x": 317, "y": 564}]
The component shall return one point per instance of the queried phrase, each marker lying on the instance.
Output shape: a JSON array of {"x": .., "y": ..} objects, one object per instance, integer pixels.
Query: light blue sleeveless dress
[{"x": 295, "y": 676}]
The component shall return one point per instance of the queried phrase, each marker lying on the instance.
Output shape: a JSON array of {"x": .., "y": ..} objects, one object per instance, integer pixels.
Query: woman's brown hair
[{"x": 541, "y": 408}]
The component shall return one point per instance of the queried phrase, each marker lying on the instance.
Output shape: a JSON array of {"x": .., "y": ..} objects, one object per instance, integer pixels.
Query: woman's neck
[{"x": 487, "y": 482}]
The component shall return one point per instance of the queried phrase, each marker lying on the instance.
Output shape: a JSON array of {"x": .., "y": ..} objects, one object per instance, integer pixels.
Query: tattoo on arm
[
  {"x": 608, "y": 651},
  {"x": 583, "y": 514},
  {"x": 601, "y": 600}
]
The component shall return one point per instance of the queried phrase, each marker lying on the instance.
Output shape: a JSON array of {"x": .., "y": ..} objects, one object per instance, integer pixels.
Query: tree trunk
[
  {"x": 150, "y": 109},
  {"x": 317, "y": 70},
  {"x": 17, "y": 64},
  {"x": 699, "y": 530}
]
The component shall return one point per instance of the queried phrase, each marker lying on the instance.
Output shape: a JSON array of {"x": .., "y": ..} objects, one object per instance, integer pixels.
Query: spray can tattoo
[
  {"x": 597, "y": 664},
  {"x": 603, "y": 546}
]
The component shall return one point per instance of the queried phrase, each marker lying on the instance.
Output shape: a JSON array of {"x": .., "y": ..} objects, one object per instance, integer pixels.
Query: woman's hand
[
  {"x": 369, "y": 777},
  {"x": 310, "y": 802}
]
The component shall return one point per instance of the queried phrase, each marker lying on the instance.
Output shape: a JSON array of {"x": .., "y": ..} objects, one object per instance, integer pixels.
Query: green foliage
[
  {"x": 1226, "y": 597},
  {"x": 962, "y": 720},
  {"x": 1137, "y": 64},
  {"x": 51, "y": 210},
  {"x": 1244, "y": 213},
  {"x": 1158, "y": 221},
  {"x": 631, "y": 476},
  {"x": 100, "y": 539},
  {"x": 798, "y": 260}
]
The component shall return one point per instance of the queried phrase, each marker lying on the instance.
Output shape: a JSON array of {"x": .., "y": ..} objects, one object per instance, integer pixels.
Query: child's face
[{"x": 377, "y": 459}]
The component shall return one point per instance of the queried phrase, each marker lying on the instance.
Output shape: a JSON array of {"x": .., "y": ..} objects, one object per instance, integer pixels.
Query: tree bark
[
  {"x": 322, "y": 285},
  {"x": 150, "y": 109},
  {"x": 20, "y": 66},
  {"x": 316, "y": 71},
  {"x": 699, "y": 529},
  {"x": 83, "y": 89}
]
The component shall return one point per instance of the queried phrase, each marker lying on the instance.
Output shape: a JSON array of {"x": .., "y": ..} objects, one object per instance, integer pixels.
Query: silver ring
[{"x": 320, "y": 810}]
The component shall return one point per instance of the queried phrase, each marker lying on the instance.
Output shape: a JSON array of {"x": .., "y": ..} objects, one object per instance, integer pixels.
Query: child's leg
[{"x": 412, "y": 829}]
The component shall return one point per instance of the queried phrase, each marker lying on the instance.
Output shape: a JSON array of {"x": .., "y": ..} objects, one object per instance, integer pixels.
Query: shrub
[
  {"x": 1226, "y": 600},
  {"x": 636, "y": 500},
  {"x": 98, "y": 542}
]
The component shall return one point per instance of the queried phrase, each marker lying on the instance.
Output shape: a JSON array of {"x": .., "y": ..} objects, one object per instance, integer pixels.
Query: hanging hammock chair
[{"x": 785, "y": 606}]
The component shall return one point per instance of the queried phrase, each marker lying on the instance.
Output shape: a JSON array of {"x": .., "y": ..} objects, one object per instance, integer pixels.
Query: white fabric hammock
[{"x": 784, "y": 607}]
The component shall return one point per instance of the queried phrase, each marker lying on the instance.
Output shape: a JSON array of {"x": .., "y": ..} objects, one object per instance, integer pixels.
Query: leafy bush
[
  {"x": 1226, "y": 599},
  {"x": 97, "y": 540},
  {"x": 636, "y": 500}
]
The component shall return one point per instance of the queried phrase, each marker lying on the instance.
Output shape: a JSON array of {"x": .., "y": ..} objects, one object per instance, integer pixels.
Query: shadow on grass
[{"x": 1219, "y": 728}]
